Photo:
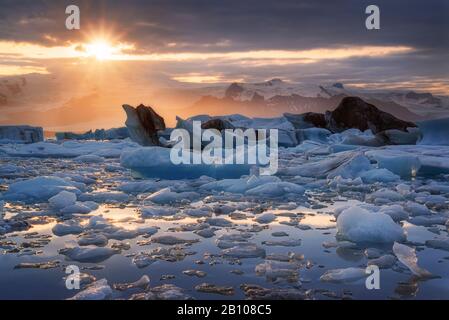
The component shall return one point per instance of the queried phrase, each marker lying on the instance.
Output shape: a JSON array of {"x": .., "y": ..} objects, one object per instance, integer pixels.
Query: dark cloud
[
  {"x": 249, "y": 24},
  {"x": 237, "y": 25}
]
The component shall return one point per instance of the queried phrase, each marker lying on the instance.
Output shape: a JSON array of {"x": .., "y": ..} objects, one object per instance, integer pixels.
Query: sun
[{"x": 100, "y": 50}]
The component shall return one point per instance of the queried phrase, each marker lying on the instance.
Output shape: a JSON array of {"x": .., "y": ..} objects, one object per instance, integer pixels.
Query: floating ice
[
  {"x": 275, "y": 189},
  {"x": 244, "y": 250},
  {"x": 360, "y": 225},
  {"x": 104, "y": 196},
  {"x": 142, "y": 283},
  {"x": 239, "y": 185},
  {"x": 80, "y": 208},
  {"x": 395, "y": 211},
  {"x": 62, "y": 200},
  {"x": 404, "y": 165},
  {"x": 343, "y": 275},
  {"x": 416, "y": 209},
  {"x": 154, "y": 162},
  {"x": 166, "y": 196},
  {"x": 38, "y": 189},
  {"x": 218, "y": 222},
  {"x": 88, "y": 254},
  {"x": 99, "y": 290},
  {"x": 435, "y": 132},
  {"x": 274, "y": 270},
  {"x": 70, "y": 149},
  {"x": 383, "y": 262},
  {"x": 408, "y": 257},
  {"x": 345, "y": 164},
  {"x": 21, "y": 134},
  {"x": 314, "y": 134},
  {"x": 164, "y": 292},
  {"x": 442, "y": 244},
  {"x": 172, "y": 240},
  {"x": 157, "y": 211},
  {"x": 89, "y": 158},
  {"x": 67, "y": 227},
  {"x": 379, "y": 175},
  {"x": 93, "y": 238},
  {"x": 386, "y": 194},
  {"x": 265, "y": 218}
]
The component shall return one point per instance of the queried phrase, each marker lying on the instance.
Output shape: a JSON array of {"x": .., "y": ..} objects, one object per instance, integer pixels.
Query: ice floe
[{"x": 361, "y": 225}]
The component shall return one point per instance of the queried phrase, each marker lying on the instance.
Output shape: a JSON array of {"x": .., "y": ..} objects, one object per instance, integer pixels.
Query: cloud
[{"x": 253, "y": 39}]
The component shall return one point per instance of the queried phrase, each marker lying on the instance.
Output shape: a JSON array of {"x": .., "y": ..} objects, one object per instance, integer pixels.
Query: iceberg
[
  {"x": 21, "y": 134},
  {"x": 239, "y": 185},
  {"x": 154, "y": 162},
  {"x": 435, "y": 132},
  {"x": 346, "y": 164},
  {"x": 404, "y": 165},
  {"x": 357, "y": 224}
]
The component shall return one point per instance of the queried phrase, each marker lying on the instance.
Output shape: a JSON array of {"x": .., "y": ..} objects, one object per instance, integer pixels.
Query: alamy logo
[
  {"x": 373, "y": 279},
  {"x": 72, "y": 281},
  {"x": 231, "y": 146}
]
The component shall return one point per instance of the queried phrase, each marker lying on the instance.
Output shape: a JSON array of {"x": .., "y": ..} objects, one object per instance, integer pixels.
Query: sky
[{"x": 210, "y": 41}]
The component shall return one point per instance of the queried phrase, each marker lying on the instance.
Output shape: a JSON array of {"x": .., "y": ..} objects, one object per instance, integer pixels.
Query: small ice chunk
[
  {"x": 88, "y": 254},
  {"x": 172, "y": 240},
  {"x": 99, "y": 290},
  {"x": 157, "y": 211},
  {"x": 383, "y": 262},
  {"x": 89, "y": 158},
  {"x": 239, "y": 185},
  {"x": 428, "y": 221},
  {"x": 219, "y": 222},
  {"x": 395, "y": 211},
  {"x": 438, "y": 244},
  {"x": 276, "y": 189},
  {"x": 408, "y": 257},
  {"x": 80, "y": 208},
  {"x": 198, "y": 212},
  {"x": 62, "y": 200},
  {"x": 2, "y": 210},
  {"x": 357, "y": 224},
  {"x": 92, "y": 238},
  {"x": 67, "y": 227},
  {"x": 244, "y": 250},
  {"x": 143, "y": 260},
  {"x": 142, "y": 283},
  {"x": 416, "y": 209},
  {"x": 385, "y": 194},
  {"x": 265, "y": 218},
  {"x": 166, "y": 196},
  {"x": 379, "y": 175},
  {"x": 104, "y": 196},
  {"x": 343, "y": 275}
]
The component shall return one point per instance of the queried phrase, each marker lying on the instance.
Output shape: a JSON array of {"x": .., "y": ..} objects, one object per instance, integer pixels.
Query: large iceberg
[{"x": 154, "y": 162}]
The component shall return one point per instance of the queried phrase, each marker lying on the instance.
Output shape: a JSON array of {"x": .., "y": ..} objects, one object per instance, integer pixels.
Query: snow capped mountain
[{"x": 304, "y": 97}]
